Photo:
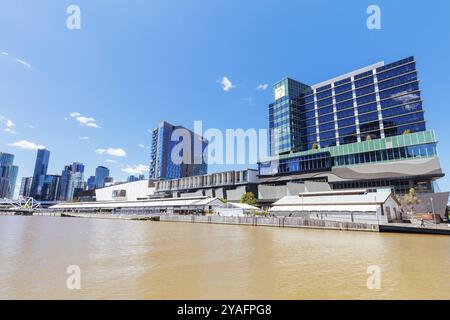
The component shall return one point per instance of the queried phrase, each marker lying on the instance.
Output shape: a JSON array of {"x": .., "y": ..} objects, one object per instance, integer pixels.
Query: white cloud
[
  {"x": 84, "y": 138},
  {"x": 4, "y": 53},
  {"x": 23, "y": 62},
  {"x": 262, "y": 86},
  {"x": 142, "y": 146},
  {"x": 85, "y": 121},
  {"x": 9, "y": 125},
  {"x": 136, "y": 170},
  {"x": 31, "y": 126},
  {"x": 110, "y": 161},
  {"x": 10, "y": 130},
  {"x": 227, "y": 84},
  {"x": 116, "y": 152},
  {"x": 27, "y": 145}
]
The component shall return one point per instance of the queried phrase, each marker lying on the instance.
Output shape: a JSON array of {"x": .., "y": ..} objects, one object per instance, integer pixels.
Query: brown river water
[{"x": 121, "y": 259}]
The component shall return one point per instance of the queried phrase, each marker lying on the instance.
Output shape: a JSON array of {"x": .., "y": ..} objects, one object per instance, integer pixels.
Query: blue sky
[{"x": 135, "y": 63}]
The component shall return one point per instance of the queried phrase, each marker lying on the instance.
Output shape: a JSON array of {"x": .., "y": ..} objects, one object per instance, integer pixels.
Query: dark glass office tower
[
  {"x": 101, "y": 173},
  {"x": 40, "y": 171},
  {"x": 362, "y": 129},
  {"x": 162, "y": 166},
  {"x": 8, "y": 175}
]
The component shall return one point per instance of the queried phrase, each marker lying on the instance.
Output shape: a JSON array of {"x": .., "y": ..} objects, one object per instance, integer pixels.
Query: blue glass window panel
[
  {"x": 397, "y": 71},
  {"x": 344, "y": 96},
  {"x": 347, "y": 131},
  {"x": 402, "y": 120},
  {"x": 395, "y": 131},
  {"x": 363, "y": 82},
  {"x": 309, "y": 106},
  {"x": 326, "y": 126},
  {"x": 346, "y": 113},
  {"x": 323, "y": 94},
  {"x": 324, "y": 102},
  {"x": 326, "y": 118},
  {"x": 367, "y": 108},
  {"x": 327, "y": 135},
  {"x": 401, "y": 99},
  {"x": 309, "y": 114},
  {"x": 344, "y": 105},
  {"x": 325, "y": 110},
  {"x": 367, "y": 117},
  {"x": 369, "y": 126},
  {"x": 366, "y": 99},
  {"x": 395, "y": 111},
  {"x": 346, "y": 122},
  {"x": 365, "y": 90},
  {"x": 401, "y": 90},
  {"x": 328, "y": 86},
  {"x": 364, "y": 74},
  {"x": 397, "y": 81},
  {"x": 309, "y": 99},
  {"x": 338, "y": 83},
  {"x": 327, "y": 143},
  {"x": 343, "y": 88},
  {"x": 395, "y": 64}
]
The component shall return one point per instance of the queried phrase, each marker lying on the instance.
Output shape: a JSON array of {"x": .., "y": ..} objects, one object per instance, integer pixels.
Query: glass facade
[
  {"x": 401, "y": 147},
  {"x": 163, "y": 166},
  {"x": 40, "y": 171},
  {"x": 375, "y": 102}
]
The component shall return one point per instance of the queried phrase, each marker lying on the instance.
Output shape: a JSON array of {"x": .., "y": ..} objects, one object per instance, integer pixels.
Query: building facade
[
  {"x": 71, "y": 178},
  {"x": 25, "y": 187},
  {"x": 101, "y": 173},
  {"x": 8, "y": 175},
  {"x": 230, "y": 185},
  {"x": 188, "y": 162},
  {"x": 362, "y": 129},
  {"x": 40, "y": 171},
  {"x": 49, "y": 189}
]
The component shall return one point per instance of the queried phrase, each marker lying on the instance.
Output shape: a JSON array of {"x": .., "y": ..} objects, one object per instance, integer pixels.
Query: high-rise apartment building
[
  {"x": 365, "y": 128},
  {"x": 70, "y": 179},
  {"x": 165, "y": 164},
  {"x": 25, "y": 187}
]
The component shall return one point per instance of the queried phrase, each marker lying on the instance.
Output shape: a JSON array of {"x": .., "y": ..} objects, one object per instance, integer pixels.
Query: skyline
[{"x": 177, "y": 78}]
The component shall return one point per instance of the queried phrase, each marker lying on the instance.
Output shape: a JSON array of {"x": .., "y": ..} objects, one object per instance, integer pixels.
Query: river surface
[{"x": 120, "y": 259}]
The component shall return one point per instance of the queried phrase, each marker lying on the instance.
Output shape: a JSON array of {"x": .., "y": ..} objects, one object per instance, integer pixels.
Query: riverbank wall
[{"x": 280, "y": 222}]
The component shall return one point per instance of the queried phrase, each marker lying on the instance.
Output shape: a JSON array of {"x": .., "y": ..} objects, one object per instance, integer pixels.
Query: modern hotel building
[
  {"x": 363, "y": 129},
  {"x": 164, "y": 165}
]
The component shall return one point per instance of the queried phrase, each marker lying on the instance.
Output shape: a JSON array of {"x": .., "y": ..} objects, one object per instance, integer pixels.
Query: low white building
[
  {"x": 231, "y": 209},
  {"x": 195, "y": 205},
  {"x": 343, "y": 205},
  {"x": 130, "y": 191}
]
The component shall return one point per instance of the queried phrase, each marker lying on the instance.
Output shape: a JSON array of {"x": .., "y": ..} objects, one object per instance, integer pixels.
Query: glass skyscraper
[
  {"x": 371, "y": 116},
  {"x": 162, "y": 166},
  {"x": 40, "y": 171},
  {"x": 101, "y": 173},
  {"x": 8, "y": 175}
]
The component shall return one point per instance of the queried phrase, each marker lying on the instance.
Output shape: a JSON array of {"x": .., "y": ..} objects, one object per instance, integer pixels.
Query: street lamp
[{"x": 432, "y": 208}]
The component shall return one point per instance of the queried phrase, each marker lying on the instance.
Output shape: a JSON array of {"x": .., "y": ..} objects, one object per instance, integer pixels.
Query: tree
[
  {"x": 315, "y": 146},
  {"x": 410, "y": 200},
  {"x": 407, "y": 131},
  {"x": 248, "y": 198}
]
